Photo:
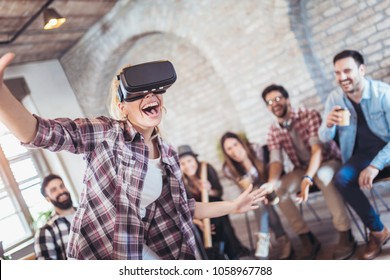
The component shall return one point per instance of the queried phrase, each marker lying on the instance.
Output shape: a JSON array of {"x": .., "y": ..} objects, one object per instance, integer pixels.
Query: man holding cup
[
  {"x": 296, "y": 133},
  {"x": 364, "y": 139}
]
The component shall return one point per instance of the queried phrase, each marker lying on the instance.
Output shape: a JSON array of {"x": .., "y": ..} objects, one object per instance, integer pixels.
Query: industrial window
[
  {"x": 21, "y": 173},
  {"x": 21, "y": 202}
]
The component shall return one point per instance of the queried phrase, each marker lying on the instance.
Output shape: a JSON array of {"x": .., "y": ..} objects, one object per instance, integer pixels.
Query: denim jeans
[
  {"x": 269, "y": 218},
  {"x": 346, "y": 181}
]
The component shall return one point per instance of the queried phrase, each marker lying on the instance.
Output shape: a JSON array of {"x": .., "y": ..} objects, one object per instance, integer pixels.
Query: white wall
[{"x": 51, "y": 97}]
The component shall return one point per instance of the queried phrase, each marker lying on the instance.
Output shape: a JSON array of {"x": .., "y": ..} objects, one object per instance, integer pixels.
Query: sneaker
[{"x": 263, "y": 244}]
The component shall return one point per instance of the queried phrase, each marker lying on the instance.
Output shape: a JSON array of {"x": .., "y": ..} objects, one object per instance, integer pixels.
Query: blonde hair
[
  {"x": 113, "y": 101},
  {"x": 113, "y": 97}
]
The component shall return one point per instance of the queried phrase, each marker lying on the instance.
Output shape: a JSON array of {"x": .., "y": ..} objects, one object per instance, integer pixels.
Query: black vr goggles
[{"x": 139, "y": 80}]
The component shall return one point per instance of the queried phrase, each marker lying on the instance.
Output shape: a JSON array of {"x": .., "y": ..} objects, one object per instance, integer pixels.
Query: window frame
[{"x": 13, "y": 191}]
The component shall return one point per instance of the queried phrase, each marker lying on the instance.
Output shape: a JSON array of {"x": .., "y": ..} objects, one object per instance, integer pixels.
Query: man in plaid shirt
[
  {"x": 296, "y": 133},
  {"x": 51, "y": 240}
]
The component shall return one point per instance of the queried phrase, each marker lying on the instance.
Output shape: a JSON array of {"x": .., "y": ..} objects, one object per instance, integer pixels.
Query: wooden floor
[{"x": 323, "y": 229}]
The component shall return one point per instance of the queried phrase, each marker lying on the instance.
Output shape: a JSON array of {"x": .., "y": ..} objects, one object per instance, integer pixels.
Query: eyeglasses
[{"x": 271, "y": 102}]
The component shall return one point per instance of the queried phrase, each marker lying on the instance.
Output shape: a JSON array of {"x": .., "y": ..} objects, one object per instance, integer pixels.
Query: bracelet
[{"x": 308, "y": 177}]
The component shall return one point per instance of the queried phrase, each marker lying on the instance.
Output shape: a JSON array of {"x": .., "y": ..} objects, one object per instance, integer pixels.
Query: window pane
[
  {"x": 6, "y": 208},
  {"x": 11, "y": 146},
  {"x": 12, "y": 231},
  {"x": 23, "y": 170},
  {"x": 30, "y": 183},
  {"x": 32, "y": 195}
]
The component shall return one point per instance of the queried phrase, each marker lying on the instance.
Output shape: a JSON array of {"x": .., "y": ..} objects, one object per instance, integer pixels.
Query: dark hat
[{"x": 185, "y": 150}]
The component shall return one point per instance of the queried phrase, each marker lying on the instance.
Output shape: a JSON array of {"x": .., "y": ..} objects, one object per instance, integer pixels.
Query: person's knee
[
  {"x": 289, "y": 184},
  {"x": 345, "y": 178},
  {"x": 326, "y": 173}
]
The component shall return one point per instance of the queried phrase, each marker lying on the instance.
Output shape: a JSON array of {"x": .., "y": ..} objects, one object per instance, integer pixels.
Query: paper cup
[{"x": 345, "y": 121}]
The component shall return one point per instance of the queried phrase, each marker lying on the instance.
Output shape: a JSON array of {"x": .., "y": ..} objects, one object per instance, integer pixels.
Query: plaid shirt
[
  {"x": 306, "y": 122},
  {"x": 107, "y": 224},
  {"x": 51, "y": 239}
]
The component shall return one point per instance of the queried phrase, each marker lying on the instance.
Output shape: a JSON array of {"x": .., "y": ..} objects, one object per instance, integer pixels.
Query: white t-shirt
[{"x": 152, "y": 185}]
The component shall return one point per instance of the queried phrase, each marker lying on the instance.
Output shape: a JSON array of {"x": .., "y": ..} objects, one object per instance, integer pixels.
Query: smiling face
[
  {"x": 58, "y": 194},
  {"x": 234, "y": 149},
  {"x": 144, "y": 114},
  {"x": 188, "y": 165},
  {"x": 349, "y": 75},
  {"x": 277, "y": 104}
]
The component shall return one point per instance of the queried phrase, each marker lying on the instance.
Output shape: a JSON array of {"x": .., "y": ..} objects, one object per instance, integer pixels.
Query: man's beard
[
  {"x": 64, "y": 205},
  {"x": 283, "y": 113},
  {"x": 354, "y": 86}
]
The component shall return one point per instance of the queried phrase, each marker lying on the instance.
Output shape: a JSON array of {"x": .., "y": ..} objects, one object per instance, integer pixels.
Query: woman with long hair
[
  {"x": 224, "y": 238},
  {"x": 245, "y": 163}
]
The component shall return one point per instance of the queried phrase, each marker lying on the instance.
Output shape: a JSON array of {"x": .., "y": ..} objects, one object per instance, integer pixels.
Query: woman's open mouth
[{"x": 151, "y": 109}]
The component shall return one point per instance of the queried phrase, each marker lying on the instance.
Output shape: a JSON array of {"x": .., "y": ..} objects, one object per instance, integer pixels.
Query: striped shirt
[
  {"x": 107, "y": 224},
  {"x": 51, "y": 240}
]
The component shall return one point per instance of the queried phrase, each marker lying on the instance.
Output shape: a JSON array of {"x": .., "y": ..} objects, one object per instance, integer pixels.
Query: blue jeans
[
  {"x": 269, "y": 218},
  {"x": 346, "y": 181}
]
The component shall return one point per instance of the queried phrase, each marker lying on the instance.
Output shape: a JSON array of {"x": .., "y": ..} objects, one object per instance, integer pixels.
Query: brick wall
[{"x": 225, "y": 52}]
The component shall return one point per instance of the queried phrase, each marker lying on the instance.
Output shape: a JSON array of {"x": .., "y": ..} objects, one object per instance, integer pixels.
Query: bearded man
[
  {"x": 364, "y": 141},
  {"x": 52, "y": 239},
  {"x": 295, "y": 134}
]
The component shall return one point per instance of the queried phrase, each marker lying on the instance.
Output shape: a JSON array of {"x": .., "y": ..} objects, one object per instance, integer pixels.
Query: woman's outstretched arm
[
  {"x": 13, "y": 114},
  {"x": 245, "y": 202}
]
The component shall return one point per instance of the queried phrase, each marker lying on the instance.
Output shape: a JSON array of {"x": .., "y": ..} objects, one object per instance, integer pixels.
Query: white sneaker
[{"x": 263, "y": 244}]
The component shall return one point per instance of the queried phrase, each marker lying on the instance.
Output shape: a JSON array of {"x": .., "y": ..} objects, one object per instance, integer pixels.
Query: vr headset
[{"x": 135, "y": 82}]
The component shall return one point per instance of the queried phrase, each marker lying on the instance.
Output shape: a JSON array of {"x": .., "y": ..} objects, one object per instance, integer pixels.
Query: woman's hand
[
  {"x": 13, "y": 115},
  {"x": 5, "y": 60},
  {"x": 248, "y": 200}
]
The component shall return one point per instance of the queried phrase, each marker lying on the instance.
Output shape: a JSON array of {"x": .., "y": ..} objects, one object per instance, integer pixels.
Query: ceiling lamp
[{"x": 52, "y": 19}]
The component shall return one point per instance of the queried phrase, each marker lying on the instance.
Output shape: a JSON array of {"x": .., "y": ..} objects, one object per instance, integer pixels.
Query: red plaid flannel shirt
[
  {"x": 107, "y": 224},
  {"x": 306, "y": 122}
]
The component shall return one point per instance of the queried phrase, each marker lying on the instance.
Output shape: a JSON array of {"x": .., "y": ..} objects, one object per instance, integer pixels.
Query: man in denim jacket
[{"x": 364, "y": 143}]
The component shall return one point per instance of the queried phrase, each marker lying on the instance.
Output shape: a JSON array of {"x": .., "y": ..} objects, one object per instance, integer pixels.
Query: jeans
[
  {"x": 346, "y": 181},
  {"x": 269, "y": 218}
]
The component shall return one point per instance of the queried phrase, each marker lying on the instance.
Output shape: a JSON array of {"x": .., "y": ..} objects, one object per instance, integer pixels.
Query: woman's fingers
[{"x": 5, "y": 60}]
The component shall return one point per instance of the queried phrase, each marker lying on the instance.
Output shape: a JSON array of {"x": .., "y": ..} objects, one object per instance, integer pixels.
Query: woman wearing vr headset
[{"x": 134, "y": 205}]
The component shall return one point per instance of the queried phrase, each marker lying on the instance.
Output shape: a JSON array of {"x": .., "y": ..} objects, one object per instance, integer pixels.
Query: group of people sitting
[
  {"x": 341, "y": 159},
  {"x": 135, "y": 204}
]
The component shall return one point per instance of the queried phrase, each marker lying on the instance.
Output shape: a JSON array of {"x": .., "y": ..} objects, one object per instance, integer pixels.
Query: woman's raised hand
[
  {"x": 5, "y": 60},
  {"x": 12, "y": 113},
  {"x": 249, "y": 200}
]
